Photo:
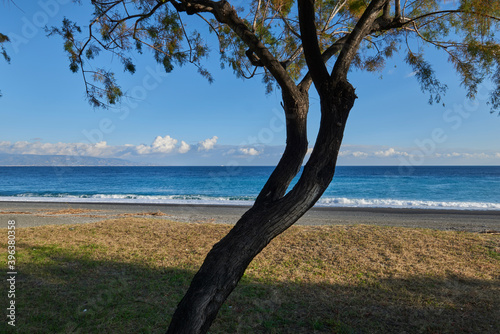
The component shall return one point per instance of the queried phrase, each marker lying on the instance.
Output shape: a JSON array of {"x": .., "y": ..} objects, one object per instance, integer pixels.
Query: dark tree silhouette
[
  {"x": 3, "y": 52},
  {"x": 291, "y": 45}
]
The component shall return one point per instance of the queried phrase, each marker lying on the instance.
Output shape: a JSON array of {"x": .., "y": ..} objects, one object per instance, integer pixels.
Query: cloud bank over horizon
[
  {"x": 165, "y": 150},
  {"x": 159, "y": 146}
]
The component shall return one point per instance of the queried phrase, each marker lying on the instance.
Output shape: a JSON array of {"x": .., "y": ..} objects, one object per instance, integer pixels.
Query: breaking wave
[{"x": 242, "y": 200}]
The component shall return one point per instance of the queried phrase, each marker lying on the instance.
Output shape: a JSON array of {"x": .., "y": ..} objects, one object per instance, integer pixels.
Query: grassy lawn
[{"x": 127, "y": 275}]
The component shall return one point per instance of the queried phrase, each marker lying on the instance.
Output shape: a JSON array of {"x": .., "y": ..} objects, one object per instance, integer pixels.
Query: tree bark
[
  {"x": 296, "y": 109},
  {"x": 273, "y": 211},
  {"x": 227, "y": 261}
]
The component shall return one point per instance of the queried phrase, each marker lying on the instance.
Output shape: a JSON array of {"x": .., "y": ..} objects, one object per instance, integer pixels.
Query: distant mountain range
[{"x": 61, "y": 160}]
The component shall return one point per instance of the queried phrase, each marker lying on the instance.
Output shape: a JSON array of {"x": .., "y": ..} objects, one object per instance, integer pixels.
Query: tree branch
[
  {"x": 306, "y": 82},
  {"x": 254, "y": 23},
  {"x": 438, "y": 44},
  {"x": 211, "y": 27},
  {"x": 380, "y": 24},
  {"x": 334, "y": 12},
  {"x": 397, "y": 8},
  {"x": 225, "y": 13},
  {"x": 289, "y": 27},
  {"x": 453, "y": 12},
  {"x": 387, "y": 10},
  {"x": 312, "y": 52},
  {"x": 362, "y": 28}
]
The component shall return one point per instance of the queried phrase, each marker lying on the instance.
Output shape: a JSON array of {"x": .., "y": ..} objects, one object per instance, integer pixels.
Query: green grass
[{"x": 127, "y": 276}]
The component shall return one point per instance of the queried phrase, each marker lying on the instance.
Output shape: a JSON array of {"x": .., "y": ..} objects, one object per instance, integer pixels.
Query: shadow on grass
[{"x": 63, "y": 292}]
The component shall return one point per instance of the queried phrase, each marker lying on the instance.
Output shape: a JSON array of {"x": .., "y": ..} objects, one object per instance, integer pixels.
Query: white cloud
[
  {"x": 355, "y": 154},
  {"x": 207, "y": 144},
  {"x": 185, "y": 147},
  {"x": 249, "y": 151},
  {"x": 359, "y": 154},
  {"x": 411, "y": 74},
  {"x": 309, "y": 150},
  {"x": 143, "y": 149},
  {"x": 160, "y": 145},
  {"x": 471, "y": 155},
  {"x": 389, "y": 153},
  {"x": 164, "y": 144},
  {"x": 24, "y": 147},
  {"x": 97, "y": 149},
  {"x": 221, "y": 154},
  {"x": 101, "y": 144},
  {"x": 394, "y": 155}
]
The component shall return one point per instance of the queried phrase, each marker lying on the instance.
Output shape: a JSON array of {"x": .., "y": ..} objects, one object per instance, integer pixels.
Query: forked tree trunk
[
  {"x": 227, "y": 261},
  {"x": 296, "y": 109}
]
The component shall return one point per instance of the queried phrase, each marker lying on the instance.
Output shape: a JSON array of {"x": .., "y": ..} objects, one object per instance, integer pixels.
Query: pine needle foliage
[{"x": 180, "y": 32}]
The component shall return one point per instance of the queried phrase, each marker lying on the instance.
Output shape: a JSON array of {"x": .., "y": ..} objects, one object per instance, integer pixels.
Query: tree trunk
[
  {"x": 296, "y": 109},
  {"x": 227, "y": 261}
]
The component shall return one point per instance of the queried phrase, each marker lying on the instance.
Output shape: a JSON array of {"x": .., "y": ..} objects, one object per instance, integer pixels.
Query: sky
[{"x": 180, "y": 119}]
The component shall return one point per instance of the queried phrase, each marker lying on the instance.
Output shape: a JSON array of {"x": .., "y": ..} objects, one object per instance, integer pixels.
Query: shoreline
[{"x": 29, "y": 214}]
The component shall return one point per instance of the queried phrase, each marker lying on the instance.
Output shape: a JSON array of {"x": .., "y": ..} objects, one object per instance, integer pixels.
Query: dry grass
[
  {"x": 135, "y": 214},
  {"x": 70, "y": 211},
  {"x": 48, "y": 213},
  {"x": 126, "y": 275},
  {"x": 15, "y": 213},
  {"x": 83, "y": 213}
]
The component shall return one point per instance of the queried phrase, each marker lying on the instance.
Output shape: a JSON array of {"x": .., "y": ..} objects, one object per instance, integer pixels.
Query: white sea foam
[
  {"x": 130, "y": 198},
  {"x": 411, "y": 204},
  {"x": 208, "y": 200}
]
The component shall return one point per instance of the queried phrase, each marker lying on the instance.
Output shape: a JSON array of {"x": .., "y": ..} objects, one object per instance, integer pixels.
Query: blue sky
[{"x": 181, "y": 119}]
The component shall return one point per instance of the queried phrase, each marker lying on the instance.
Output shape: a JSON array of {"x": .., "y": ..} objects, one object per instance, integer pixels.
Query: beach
[
  {"x": 29, "y": 214},
  {"x": 374, "y": 270}
]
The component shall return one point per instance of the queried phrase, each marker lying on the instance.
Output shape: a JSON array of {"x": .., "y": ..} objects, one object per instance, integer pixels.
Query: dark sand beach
[{"x": 28, "y": 214}]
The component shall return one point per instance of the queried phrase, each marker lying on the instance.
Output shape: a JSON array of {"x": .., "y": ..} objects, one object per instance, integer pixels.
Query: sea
[{"x": 423, "y": 187}]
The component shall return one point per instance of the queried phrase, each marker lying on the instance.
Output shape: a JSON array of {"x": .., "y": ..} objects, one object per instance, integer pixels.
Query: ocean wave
[
  {"x": 247, "y": 200},
  {"x": 406, "y": 204},
  {"x": 131, "y": 198}
]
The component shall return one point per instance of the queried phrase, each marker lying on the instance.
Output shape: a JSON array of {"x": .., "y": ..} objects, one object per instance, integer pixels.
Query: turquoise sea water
[{"x": 443, "y": 187}]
